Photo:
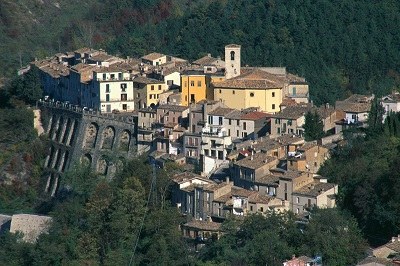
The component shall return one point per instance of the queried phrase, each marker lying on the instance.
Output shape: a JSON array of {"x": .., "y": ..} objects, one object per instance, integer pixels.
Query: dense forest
[{"x": 341, "y": 47}]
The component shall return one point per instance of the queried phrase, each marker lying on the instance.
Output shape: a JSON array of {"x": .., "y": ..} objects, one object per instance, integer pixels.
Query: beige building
[
  {"x": 255, "y": 88},
  {"x": 307, "y": 158},
  {"x": 147, "y": 91},
  {"x": 114, "y": 89}
]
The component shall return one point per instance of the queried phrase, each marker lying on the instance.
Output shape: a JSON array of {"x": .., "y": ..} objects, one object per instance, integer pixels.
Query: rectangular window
[
  {"x": 192, "y": 83},
  {"x": 233, "y": 92},
  {"x": 199, "y": 83},
  {"x": 123, "y": 86},
  {"x": 152, "y": 87},
  {"x": 289, "y": 122},
  {"x": 124, "y": 97},
  {"x": 159, "y": 87},
  {"x": 279, "y": 130},
  {"x": 192, "y": 98},
  {"x": 230, "y": 121},
  {"x": 124, "y": 107},
  {"x": 273, "y": 106},
  {"x": 273, "y": 94},
  {"x": 107, "y": 88},
  {"x": 107, "y": 97},
  {"x": 108, "y": 108},
  {"x": 104, "y": 76},
  {"x": 238, "y": 122},
  {"x": 244, "y": 126},
  {"x": 220, "y": 120},
  {"x": 112, "y": 76},
  {"x": 237, "y": 133}
]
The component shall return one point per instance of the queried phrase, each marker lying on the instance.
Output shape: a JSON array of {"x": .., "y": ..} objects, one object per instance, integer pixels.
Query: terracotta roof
[
  {"x": 395, "y": 246},
  {"x": 221, "y": 111},
  {"x": 257, "y": 198},
  {"x": 255, "y": 116},
  {"x": 255, "y": 161},
  {"x": 267, "y": 179},
  {"x": 173, "y": 107},
  {"x": 145, "y": 80},
  {"x": 356, "y": 103},
  {"x": 205, "y": 60},
  {"x": 256, "y": 79},
  {"x": 215, "y": 186},
  {"x": 288, "y": 139},
  {"x": 152, "y": 56},
  {"x": 232, "y": 46},
  {"x": 351, "y": 107},
  {"x": 185, "y": 176},
  {"x": 102, "y": 57},
  {"x": 288, "y": 102},
  {"x": 203, "y": 225},
  {"x": 314, "y": 189},
  {"x": 241, "y": 192},
  {"x": 293, "y": 112},
  {"x": 307, "y": 145},
  {"x": 392, "y": 98}
]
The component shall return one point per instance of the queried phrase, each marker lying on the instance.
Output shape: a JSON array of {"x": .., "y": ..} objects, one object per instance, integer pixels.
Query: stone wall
[{"x": 79, "y": 136}]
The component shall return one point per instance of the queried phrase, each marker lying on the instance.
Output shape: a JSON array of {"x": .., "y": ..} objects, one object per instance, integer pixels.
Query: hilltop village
[{"x": 239, "y": 131}]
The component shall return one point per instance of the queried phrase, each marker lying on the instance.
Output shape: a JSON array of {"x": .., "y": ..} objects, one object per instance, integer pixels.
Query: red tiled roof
[{"x": 255, "y": 116}]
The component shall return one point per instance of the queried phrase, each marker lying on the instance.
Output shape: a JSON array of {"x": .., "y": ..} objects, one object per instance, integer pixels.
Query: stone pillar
[
  {"x": 70, "y": 132},
  {"x": 54, "y": 160},
  {"x": 48, "y": 183},
  {"x": 49, "y": 125},
  {"x": 61, "y": 163},
  {"x": 53, "y": 192},
  {"x": 117, "y": 139},
  {"x": 55, "y": 128},
  {"x": 63, "y": 130}
]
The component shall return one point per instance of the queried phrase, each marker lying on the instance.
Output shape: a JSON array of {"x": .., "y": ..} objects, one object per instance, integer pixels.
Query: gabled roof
[
  {"x": 221, "y": 111},
  {"x": 173, "y": 107},
  {"x": 293, "y": 112},
  {"x": 255, "y": 161},
  {"x": 152, "y": 56},
  {"x": 255, "y": 116},
  {"x": 255, "y": 79},
  {"x": 205, "y": 60},
  {"x": 145, "y": 80},
  {"x": 314, "y": 189}
]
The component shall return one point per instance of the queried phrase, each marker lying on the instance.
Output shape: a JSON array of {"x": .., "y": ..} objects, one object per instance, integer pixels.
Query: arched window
[{"x": 232, "y": 55}]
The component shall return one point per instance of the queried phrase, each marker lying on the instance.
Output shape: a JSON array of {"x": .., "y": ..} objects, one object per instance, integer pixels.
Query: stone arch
[
  {"x": 102, "y": 166},
  {"x": 86, "y": 159},
  {"x": 125, "y": 140},
  {"x": 91, "y": 133},
  {"x": 108, "y": 137}
]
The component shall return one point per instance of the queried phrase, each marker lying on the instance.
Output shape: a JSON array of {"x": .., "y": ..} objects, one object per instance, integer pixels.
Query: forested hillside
[{"x": 341, "y": 47}]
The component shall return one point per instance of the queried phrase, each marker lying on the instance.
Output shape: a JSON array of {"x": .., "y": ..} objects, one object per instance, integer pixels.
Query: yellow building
[
  {"x": 195, "y": 84},
  {"x": 254, "y": 88},
  {"x": 147, "y": 91}
]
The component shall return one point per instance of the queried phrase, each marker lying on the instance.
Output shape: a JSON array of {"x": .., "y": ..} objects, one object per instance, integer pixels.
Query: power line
[{"x": 144, "y": 215}]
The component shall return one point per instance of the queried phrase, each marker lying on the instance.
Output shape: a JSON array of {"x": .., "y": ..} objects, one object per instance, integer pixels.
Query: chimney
[
  {"x": 209, "y": 55},
  {"x": 227, "y": 179}
]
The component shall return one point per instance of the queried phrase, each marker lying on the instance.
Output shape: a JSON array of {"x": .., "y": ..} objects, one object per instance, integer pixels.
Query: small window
[
  {"x": 199, "y": 83},
  {"x": 297, "y": 200},
  {"x": 219, "y": 91},
  {"x": 244, "y": 126},
  {"x": 152, "y": 87},
  {"x": 232, "y": 55},
  {"x": 124, "y": 107},
  {"x": 107, "y": 88},
  {"x": 289, "y": 122},
  {"x": 251, "y": 94},
  {"x": 273, "y": 106},
  {"x": 233, "y": 92},
  {"x": 107, "y": 97},
  {"x": 124, "y": 97},
  {"x": 159, "y": 87},
  {"x": 279, "y": 130},
  {"x": 273, "y": 94},
  {"x": 220, "y": 120},
  {"x": 192, "y": 83},
  {"x": 104, "y": 76}
]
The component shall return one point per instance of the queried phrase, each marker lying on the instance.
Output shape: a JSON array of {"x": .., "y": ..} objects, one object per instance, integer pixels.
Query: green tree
[{"x": 313, "y": 126}]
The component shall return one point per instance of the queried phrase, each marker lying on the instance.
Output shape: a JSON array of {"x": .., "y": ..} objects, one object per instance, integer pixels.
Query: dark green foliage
[
  {"x": 313, "y": 126},
  {"x": 27, "y": 87},
  {"x": 275, "y": 238},
  {"x": 367, "y": 174},
  {"x": 375, "y": 117}
]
